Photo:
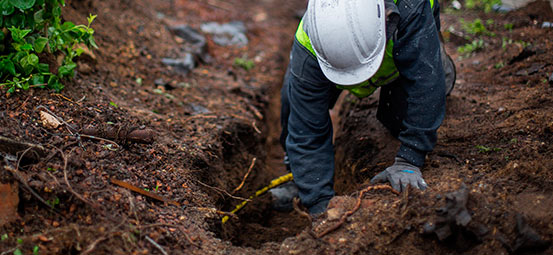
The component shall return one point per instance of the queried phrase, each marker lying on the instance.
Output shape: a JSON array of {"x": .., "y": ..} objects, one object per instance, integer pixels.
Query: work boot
[{"x": 283, "y": 196}]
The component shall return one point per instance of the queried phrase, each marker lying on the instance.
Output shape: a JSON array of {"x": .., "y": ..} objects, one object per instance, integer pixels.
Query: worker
[{"x": 362, "y": 45}]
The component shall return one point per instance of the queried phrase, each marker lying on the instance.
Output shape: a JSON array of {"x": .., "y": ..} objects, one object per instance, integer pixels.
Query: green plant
[
  {"x": 508, "y": 26},
  {"x": 477, "y": 27},
  {"x": 35, "y": 250},
  {"x": 4, "y": 237},
  {"x": 499, "y": 65},
  {"x": 485, "y": 5},
  {"x": 485, "y": 149},
  {"x": 469, "y": 48},
  {"x": 29, "y": 31},
  {"x": 244, "y": 63},
  {"x": 53, "y": 202}
]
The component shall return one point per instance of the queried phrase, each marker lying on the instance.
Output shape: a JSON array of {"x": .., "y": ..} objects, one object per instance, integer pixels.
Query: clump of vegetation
[
  {"x": 469, "y": 48},
  {"x": 477, "y": 27},
  {"x": 244, "y": 63},
  {"x": 485, "y": 5},
  {"x": 30, "y": 29}
]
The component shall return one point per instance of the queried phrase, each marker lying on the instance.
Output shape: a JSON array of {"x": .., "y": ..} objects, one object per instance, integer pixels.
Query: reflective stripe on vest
[{"x": 386, "y": 74}]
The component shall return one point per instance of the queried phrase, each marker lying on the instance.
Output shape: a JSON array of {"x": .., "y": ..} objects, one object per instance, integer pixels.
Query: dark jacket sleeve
[{"x": 417, "y": 57}]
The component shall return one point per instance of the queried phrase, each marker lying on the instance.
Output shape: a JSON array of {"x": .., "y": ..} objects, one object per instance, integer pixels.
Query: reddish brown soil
[{"x": 210, "y": 124}]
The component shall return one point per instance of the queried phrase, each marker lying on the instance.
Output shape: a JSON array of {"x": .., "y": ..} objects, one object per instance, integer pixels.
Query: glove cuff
[{"x": 411, "y": 156}]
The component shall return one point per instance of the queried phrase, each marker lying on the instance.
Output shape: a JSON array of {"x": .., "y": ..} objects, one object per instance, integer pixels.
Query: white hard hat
[{"x": 348, "y": 36}]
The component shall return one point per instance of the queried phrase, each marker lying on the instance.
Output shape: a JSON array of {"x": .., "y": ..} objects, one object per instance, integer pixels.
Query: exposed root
[
  {"x": 301, "y": 212},
  {"x": 245, "y": 176},
  {"x": 357, "y": 206}
]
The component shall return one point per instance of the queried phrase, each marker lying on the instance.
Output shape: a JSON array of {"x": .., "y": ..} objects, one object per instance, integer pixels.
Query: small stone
[
  {"x": 501, "y": 109},
  {"x": 342, "y": 240},
  {"x": 48, "y": 120},
  {"x": 182, "y": 65},
  {"x": 547, "y": 24},
  {"x": 551, "y": 79},
  {"x": 334, "y": 214},
  {"x": 55, "y": 224},
  {"x": 159, "y": 82},
  {"x": 456, "y": 5}
]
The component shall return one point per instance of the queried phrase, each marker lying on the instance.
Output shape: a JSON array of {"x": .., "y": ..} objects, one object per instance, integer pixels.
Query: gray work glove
[{"x": 401, "y": 174}]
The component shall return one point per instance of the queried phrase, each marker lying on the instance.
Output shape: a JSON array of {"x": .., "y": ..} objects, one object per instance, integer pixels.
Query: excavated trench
[{"x": 257, "y": 222}]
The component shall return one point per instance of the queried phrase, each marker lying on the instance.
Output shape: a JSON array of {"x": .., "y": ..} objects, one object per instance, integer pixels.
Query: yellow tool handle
[{"x": 276, "y": 182}]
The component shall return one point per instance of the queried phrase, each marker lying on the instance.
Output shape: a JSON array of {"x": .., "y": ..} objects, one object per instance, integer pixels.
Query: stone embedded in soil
[
  {"x": 189, "y": 34},
  {"x": 551, "y": 79},
  {"x": 9, "y": 200},
  {"x": 232, "y": 33},
  {"x": 182, "y": 65}
]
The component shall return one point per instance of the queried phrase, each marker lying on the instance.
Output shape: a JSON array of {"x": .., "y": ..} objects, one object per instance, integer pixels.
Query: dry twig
[
  {"x": 69, "y": 187},
  {"x": 223, "y": 191},
  {"x": 143, "y": 192},
  {"x": 245, "y": 176},
  {"x": 357, "y": 205},
  {"x": 17, "y": 175},
  {"x": 156, "y": 245}
]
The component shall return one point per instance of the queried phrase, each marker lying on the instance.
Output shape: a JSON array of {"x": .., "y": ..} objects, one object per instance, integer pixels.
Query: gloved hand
[{"x": 401, "y": 174}]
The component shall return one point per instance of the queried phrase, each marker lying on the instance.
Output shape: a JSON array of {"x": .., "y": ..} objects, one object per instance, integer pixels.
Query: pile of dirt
[{"x": 133, "y": 129}]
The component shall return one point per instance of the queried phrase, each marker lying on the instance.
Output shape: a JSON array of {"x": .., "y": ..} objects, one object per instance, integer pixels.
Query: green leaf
[
  {"x": 40, "y": 43},
  {"x": 2, "y": 36},
  {"x": 68, "y": 25},
  {"x": 43, "y": 68},
  {"x": 39, "y": 16},
  {"x": 37, "y": 79},
  {"x": 67, "y": 70},
  {"x": 33, "y": 59},
  {"x": 54, "y": 83},
  {"x": 92, "y": 43},
  {"x": 17, "y": 252},
  {"x": 18, "y": 34},
  {"x": 15, "y": 20},
  {"x": 91, "y": 18},
  {"x": 22, "y": 4},
  {"x": 6, "y": 8},
  {"x": 27, "y": 47},
  {"x": 8, "y": 65}
]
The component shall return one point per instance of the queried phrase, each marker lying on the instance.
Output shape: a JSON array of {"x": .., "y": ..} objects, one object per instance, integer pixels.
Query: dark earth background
[{"x": 490, "y": 176}]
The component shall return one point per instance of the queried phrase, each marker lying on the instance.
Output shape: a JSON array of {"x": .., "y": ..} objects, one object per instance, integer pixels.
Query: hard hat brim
[{"x": 352, "y": 76}]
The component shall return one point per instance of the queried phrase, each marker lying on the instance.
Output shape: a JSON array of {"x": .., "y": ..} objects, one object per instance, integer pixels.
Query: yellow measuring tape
[{"x": 276, "y": 182}]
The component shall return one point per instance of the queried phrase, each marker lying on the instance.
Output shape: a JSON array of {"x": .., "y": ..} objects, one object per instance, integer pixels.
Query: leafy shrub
[
  {"x": 29, "y": 31},
  {"x": 485, "y": 5}
]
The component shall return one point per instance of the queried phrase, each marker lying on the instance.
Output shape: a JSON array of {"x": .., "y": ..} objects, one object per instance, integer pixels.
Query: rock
[
  {"x": 232, "y": 33},
  {"x": 181, "y": 65},
  {"x": 551, "y": 79},
  {"x": 334, "y": 213},
  {"x": 9, "y": 200},
  {"x": 502, "y": 8},
  {"x": 49, "y": 121},
  {"x": 189, "y": 34},
  {"x": 456, "y": 5},
  {"x": 159, "y": 82},
  {"x": 534, "y": 68},
  {"x": 527, "y": 238},
  {"x": 547, "y": 24}
]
